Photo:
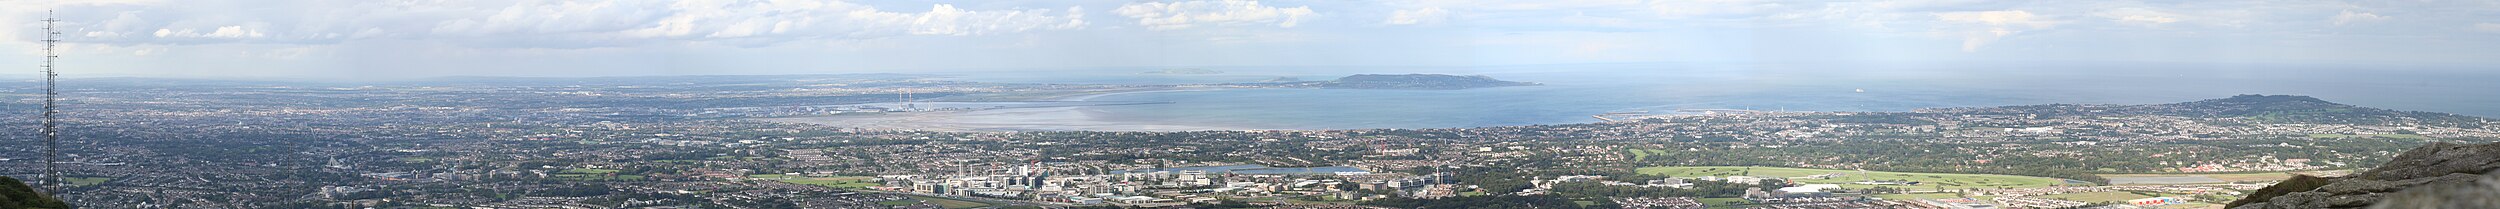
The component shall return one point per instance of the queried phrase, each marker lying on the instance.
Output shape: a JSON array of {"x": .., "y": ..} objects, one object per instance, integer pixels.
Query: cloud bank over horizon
[{"x": 399, "y": 38}]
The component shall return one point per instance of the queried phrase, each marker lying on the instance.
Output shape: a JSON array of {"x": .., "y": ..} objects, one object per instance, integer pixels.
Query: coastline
[{"x": 1054, "y": 118}]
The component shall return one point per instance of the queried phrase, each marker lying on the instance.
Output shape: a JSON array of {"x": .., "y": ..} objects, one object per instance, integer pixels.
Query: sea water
[{"x": 1574, "y": 92}]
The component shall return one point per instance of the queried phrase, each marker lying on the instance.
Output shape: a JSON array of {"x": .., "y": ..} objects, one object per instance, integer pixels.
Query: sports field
[
  {"x": 85, "y": 181},
  {"x": 950, "y": 203},
  {"x": 1643, "y": 154},
  {"x": 2096, "y": 197},
  {"x": 844, "y": 182}
]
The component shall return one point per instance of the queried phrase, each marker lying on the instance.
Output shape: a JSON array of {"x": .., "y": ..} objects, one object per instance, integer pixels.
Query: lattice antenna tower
[{"x": 51, "y": 137}]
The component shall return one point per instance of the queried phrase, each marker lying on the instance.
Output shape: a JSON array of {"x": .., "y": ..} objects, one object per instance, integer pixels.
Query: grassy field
[
  {"x": 587, "y": 174},
  {"x": 1640, "y": 154},
  {"x": 851, "y": 182},
  {"x": 2392, "y": 136},
  {"x": 594, "y": 177},
  {"x": 771, "y": 176},
  {"x": 902, "y": 202},
  {"x": 2262, "y": 176},
  {"x": 1927, "y": 180},
  {"x": 844, "y": 182},
  {"x": 2196, "y": 205},
  {"x": 2096, "y": 196},
  {"x": 1714, "y": 202},
  {"x": 940, "y": 201},
  {"x": 588, "y": 171},
  {"x": 85, "y": 181},
  {"x": 1917, "y": 196},
  {"x": 950, "y": 203}
]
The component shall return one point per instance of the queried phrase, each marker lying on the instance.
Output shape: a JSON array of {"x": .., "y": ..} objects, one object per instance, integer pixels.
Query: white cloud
[
  {"x": 1183, "y": 15},
  {"x": 1991, "y": 25},
  {"x": 231, "y": 32},
  {"x": 559, "y": 24},
  {"x": 2487, "y": 27},
  {"x": 1418, "y": 16},
  {"x": 783, "y": 20},
  {"x": 2140, "y": 16},
  {"x": 1687, "y": 8},
  {"x": 1995, "y": 18},
  {"x": 2349, "y": 17},
  {"x": 2148, "y": 19},
  {"x": 234, "y": 32},
  {"x": 1544, "y": 5}
]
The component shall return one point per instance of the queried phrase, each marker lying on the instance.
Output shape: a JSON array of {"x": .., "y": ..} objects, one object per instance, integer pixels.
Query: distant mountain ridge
[
  {"x": 2304, "y": 109},
  {"x": 2258, "y": 108}
]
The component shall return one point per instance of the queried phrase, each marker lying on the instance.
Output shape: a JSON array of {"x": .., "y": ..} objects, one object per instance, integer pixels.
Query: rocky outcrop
[
  {"x": 2439, "y": 175},
  {"x": 2483, "y": 193}
]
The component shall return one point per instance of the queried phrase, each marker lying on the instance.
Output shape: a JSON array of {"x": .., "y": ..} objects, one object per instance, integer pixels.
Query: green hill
[
  {"x": 2260, "y": 109},
  {"x": 15, "y": 194}
]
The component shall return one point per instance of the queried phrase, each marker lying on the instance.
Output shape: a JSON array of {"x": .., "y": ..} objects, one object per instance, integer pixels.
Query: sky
[{"x": 372, "y": 39}]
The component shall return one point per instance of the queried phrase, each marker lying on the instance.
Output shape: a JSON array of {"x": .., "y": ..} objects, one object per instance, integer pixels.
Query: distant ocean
[{"x": 1573, "y": 92}]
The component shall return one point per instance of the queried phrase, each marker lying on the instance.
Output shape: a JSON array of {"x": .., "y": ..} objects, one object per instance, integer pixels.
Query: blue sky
[{"x": 419, "y": 38}]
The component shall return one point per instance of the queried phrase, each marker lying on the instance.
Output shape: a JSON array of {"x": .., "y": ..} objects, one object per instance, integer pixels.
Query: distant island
[
  {"x": 1184, "y": 71},
  {"x": 1415, "y": 81}
]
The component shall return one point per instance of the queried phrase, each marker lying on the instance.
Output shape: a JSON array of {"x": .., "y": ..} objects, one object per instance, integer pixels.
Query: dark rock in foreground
[
  {"x": 15, "y": 194},
  {"x": 2439, "y": 175},
  {"x": 2484, "y": 193}
]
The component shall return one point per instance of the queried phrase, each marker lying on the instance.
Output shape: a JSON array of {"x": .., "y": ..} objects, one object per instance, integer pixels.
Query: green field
[
  {"x": 902, "y": 202},
  {"x": 2391, "y": 136},
  {"x": 587, "y": 174},
  {"x": 835, "y": 182},
  {"x": 85, "y": 181},
  {"x": 1927, "y": 180},
  {"x": 1917, "y": 196},
  {"x": 588, "y": 171},
  {"x": 1715, "y": 202},
  {"x": 2260, "y": 176},
  {"x": 1643, "y": 154},
  {"x": 950, "y": 203},
  {"x": 941, "y": 202},
  {"x": 595, "y": 177},
  {"x": 2096, "y": 196},
  {"x": 844, "y": 182},
  {"x": 2194, "y": 205}
]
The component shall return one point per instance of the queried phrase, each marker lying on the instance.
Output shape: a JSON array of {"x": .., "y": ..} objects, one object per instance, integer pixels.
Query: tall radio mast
[{"x": 51, "y": 138}]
